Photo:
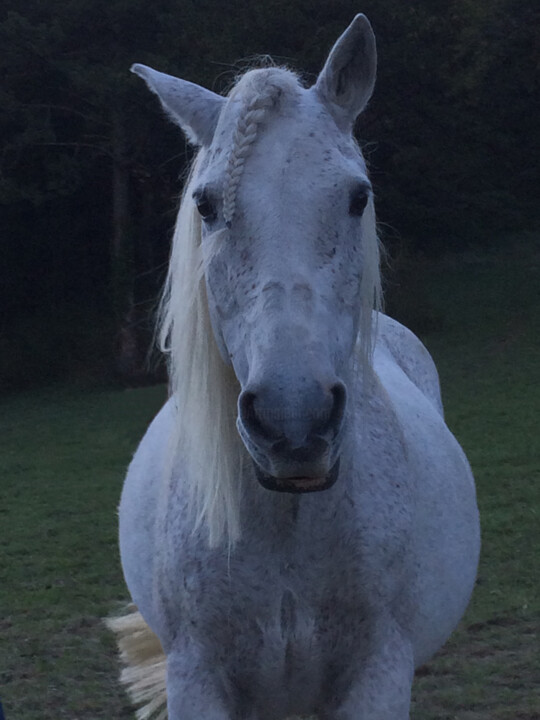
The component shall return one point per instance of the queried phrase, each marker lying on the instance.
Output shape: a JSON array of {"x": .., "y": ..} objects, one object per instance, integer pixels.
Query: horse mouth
[{"x": 298, "y": 484}]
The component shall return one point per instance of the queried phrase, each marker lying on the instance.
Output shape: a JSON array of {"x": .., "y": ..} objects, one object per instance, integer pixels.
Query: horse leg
[
  {"x": 382, "y": 690},
  {"x": 194, "y": 690}
]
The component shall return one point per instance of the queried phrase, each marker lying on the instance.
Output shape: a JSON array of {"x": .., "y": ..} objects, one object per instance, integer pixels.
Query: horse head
[{"x": 290, "y": 256}]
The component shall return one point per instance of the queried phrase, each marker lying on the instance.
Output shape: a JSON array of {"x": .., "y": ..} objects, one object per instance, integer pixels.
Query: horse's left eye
[
  {"x": 205, "y": 206},
  {"x": 358, "y": 201}
]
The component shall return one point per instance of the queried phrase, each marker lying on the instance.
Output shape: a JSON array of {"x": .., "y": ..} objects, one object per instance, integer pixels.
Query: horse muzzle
[{"x": 294, "y": 445}]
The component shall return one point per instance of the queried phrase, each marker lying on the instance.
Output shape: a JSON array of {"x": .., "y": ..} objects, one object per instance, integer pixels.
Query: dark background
[{"x": 90, "y": 169}]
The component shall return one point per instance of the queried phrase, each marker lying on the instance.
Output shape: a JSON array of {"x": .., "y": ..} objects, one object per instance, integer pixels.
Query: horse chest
[
  {"x": 295, "y": 601},
  {"x": 301, "y": 586},
  {"x": 292, "y": 569},
  {"x": 280, "y": 626}
]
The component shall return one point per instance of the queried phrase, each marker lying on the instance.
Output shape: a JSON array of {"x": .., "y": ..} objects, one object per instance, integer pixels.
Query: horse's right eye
[
  {"x": 205, "y": 206},
  {"x": 358, "y": 200}
]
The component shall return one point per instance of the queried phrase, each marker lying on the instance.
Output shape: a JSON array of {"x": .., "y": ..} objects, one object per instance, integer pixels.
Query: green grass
[
  {"x": 62, "y": 460},
  {"x": 63, "y": 455},
  {"x": 487, "y": 351}
]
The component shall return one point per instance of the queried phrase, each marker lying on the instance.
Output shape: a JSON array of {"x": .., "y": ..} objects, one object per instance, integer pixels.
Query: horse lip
[{"x": 297, "y": 484}]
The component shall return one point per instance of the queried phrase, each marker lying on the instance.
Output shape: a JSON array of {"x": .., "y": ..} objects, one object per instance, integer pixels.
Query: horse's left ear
[
  {"x": 347, "y": 79},
  {"x": 191, "y": 106}
]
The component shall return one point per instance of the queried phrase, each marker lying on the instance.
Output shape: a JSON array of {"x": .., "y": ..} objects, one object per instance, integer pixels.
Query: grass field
[
  {"x": 63, "y": 454},
  {"x": 488, "y": 355}
]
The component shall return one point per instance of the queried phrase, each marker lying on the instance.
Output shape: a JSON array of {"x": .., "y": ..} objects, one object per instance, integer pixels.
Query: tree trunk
[{"x": 127, "y": 355}]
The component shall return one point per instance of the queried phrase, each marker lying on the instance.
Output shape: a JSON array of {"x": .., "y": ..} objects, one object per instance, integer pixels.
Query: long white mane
[{"x": 206, "y": 444}]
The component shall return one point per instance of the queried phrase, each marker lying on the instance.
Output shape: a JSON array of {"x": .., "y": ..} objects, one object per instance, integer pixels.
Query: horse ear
[
  {"x": 347, "y": 79},
  {"x": 191, "y": 106}
]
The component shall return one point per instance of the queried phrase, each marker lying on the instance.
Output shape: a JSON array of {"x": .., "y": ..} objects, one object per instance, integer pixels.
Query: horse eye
[
  {"x": 204, "y": 206},
  {"x": 358, "y": 201}
]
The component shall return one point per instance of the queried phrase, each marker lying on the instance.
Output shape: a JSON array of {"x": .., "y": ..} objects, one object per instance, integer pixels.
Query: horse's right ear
[
  {"x": 191, "y": 106},
  {"x": 347, "y": 79}
]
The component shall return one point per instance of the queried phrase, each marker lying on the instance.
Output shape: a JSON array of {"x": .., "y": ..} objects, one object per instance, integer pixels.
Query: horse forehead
[
  {"x": 298, "y": 132},
  {"x": 308, "y": 161},
  {"x": 304, "y": 137}
]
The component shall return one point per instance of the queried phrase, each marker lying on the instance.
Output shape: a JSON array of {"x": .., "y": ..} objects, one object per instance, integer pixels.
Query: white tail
[{"x": 144, "y": 664}]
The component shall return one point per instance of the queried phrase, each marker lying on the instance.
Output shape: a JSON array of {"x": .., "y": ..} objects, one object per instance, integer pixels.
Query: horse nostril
[
  {"x": 297, "y": 421},
  {"x": 248, "y": 414},
  {"x": 339, "y": 395},
  {"x": 246, "y": 409}
]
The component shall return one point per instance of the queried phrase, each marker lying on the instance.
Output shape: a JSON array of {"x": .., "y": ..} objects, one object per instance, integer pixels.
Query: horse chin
[{"x": 297, "y": 484}]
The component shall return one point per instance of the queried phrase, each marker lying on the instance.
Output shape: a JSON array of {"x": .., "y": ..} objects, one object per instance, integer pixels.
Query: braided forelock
[{"x": 261, "y": 91}]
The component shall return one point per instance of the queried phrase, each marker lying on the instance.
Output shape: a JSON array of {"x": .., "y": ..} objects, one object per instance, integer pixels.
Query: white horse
[{"x": 298, "y": 526}]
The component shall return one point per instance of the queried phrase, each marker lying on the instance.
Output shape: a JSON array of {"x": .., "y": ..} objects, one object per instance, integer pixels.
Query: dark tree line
[{"x": 90, "y": 171}]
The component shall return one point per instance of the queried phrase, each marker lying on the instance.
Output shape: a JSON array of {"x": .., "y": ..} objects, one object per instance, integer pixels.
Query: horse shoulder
[
  {"x": 411, "y": 355},
  {"x": 139, "y": 508},
  {"x": 148, "y": 464}
]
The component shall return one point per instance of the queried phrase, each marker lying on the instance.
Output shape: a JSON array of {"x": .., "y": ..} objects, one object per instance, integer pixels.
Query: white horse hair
[{"x": 298, "y": 527}]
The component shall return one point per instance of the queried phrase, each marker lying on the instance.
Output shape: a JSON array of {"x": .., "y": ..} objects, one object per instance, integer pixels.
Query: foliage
[{"x": 89, "y": 170}]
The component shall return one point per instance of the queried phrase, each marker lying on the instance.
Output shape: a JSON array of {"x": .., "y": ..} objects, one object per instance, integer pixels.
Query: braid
[{"x": 243, "y": 138}]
